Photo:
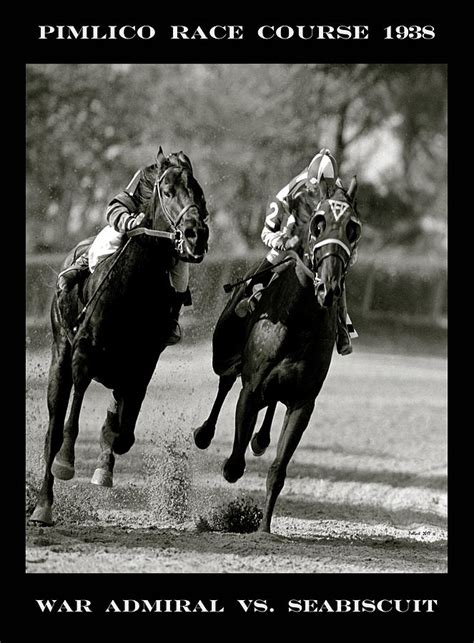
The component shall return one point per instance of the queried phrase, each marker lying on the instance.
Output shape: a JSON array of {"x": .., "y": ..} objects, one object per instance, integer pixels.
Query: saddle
[
  {"x": 81, "y": 248},
  {"x": 233, "y": 324}
]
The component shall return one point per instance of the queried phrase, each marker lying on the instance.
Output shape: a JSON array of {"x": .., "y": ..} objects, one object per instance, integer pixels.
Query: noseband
[{"x": 331, "y": 253}]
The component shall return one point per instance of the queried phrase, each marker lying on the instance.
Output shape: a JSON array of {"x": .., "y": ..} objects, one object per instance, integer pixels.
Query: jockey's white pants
[{"x": 109, "y": 240}]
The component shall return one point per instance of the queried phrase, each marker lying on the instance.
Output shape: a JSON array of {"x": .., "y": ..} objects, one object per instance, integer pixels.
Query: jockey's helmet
[{"x": 322, "y": 165}]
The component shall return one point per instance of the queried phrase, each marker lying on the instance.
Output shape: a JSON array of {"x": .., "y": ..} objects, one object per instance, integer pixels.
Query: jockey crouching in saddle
[
  {"x": 277, "y": 235},
  {"x": 123, "y": 214}
]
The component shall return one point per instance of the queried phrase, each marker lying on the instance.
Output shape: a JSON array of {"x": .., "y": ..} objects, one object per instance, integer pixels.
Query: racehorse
[
  {"x": 283, "y": 350},
  {"x": 114, "y": 326}
]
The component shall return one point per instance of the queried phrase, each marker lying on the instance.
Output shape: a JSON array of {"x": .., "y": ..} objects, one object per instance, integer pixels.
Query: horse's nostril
[
  {"x": 329, "y": 299},
  {"x": 190, "y": 233}
]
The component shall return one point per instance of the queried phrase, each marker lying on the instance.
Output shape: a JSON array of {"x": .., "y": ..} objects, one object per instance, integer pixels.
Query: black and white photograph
[{"x": 236, "y": 321}]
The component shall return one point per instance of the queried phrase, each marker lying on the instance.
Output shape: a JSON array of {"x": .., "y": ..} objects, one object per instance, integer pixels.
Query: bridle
[
  {"x": 332, "y": 253},
  {"x": 176, "y": 235},
  {"x": 174, "y": 223}
]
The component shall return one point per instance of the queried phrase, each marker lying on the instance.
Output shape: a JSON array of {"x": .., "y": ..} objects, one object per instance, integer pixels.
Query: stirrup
[
  {"x": 175, "y": 336},
  {"x": 344, "y": 350},
  {"x": 248, "y": 304},
  {"x": 67, "y": 279},
  {"x": 344, "y": 347},
  {"x": 73, "y": 272},
  {"x": 243, "y": 307}
]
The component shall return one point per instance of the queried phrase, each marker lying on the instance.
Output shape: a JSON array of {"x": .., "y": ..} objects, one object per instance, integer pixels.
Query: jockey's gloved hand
[
  {"x": 135, "y": 222},
  {"x": 278, "y": 242},
  {"x": 291, "y": 241},
  {"x": 285, "y": 241}
]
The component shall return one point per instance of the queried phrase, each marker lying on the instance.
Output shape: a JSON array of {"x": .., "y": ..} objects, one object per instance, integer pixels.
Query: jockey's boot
[
  {"x": 343, "y": 337},
  {"x": 252, "y": 292},
  {"x": 180, "y": 299},
  {"x": 71, "y": 276}
]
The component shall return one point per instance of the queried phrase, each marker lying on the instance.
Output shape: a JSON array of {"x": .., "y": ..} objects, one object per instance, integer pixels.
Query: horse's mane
[{"x": 148, "y": 176}]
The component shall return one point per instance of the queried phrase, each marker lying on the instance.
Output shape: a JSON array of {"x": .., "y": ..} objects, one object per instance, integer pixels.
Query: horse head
[
  {"x": 179, "y": 205},
  {"x": 333, "y": 231}
]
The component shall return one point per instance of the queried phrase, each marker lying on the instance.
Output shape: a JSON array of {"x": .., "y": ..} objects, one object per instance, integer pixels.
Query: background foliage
[{"x": 248, "y": 129}]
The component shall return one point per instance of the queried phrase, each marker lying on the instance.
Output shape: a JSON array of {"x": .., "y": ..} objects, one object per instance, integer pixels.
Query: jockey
[
  {"x": 123, "y": 214},
  {"x": 277, "y": 235}
]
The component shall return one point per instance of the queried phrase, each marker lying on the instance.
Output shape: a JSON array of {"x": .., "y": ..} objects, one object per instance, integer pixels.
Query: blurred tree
[{"x": 247, "y": 128}]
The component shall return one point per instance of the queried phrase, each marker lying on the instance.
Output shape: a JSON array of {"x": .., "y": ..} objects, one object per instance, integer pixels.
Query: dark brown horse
[
  {"x": 284, "y": 349},
  {"x": 114, "y": 327}
]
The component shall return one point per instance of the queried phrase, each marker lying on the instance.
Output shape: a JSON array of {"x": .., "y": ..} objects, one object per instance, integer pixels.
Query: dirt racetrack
[{"x": 365, "y": 492}]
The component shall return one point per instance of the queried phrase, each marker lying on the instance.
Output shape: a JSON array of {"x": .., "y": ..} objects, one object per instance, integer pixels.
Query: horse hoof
[
  {"x": 42, "y": 515},
  {"x": 256, "y": 448},
  {"x": 232, "y": 475},
  {"x": 202, "y": 439},
  {"x": 62, "y": 470},
  {"x": 102, "y": 478}
]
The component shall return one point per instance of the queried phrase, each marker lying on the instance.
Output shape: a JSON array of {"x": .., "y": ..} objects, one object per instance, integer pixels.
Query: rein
[
  {"x": 290, "y": 256},
  {"x": 135, "y": 232}
]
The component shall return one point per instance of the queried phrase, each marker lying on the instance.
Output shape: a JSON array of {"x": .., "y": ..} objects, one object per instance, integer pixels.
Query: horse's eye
[
  {"x": 318, "y": 224},
  {"x": 353, "y": 231},
  {"x": 167, "y": 191}
]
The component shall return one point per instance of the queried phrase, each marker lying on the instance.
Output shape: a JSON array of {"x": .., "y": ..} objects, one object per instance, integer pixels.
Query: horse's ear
[
  {"x": 160, "y": 157},
  {"x": 185, "y": 160},
  {"x": 352, "y": 191}
]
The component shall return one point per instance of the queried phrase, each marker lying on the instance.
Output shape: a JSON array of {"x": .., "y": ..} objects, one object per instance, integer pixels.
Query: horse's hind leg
[
  {"x": 296, "y": 421},
  {"x": 245, "y": 419},
  {"x": 103, "y": 475},
  {"x": 203, "y": 435},
  {"x": 261, "y": 439},
  {"x": 128, "y": 408},
  {"x": 59, "y": 389},
  {"x": 63, "y": 464}
]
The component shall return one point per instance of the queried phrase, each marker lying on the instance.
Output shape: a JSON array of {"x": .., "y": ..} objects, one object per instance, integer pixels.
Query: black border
[{"x": 20, "y": 614}]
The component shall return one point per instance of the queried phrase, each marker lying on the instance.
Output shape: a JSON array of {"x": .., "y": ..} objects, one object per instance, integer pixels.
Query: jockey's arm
[
  {"x": 275, "y": 232},
  {"x": 271, "y": 232},
  {"x": 122, "y": 210}
]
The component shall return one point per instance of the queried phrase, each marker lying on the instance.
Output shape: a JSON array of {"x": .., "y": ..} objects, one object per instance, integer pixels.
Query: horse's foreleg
[
  {"x": 296, "y": 421},
  {"x": 103, "y": 475},
  {"x": 203, "y": 435},
  {"x": 261, "y": 439},
  {"x": 245, "y": 419},
  {"x": 63, "y": 464},
  {"x": 59, "y": 389}
]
